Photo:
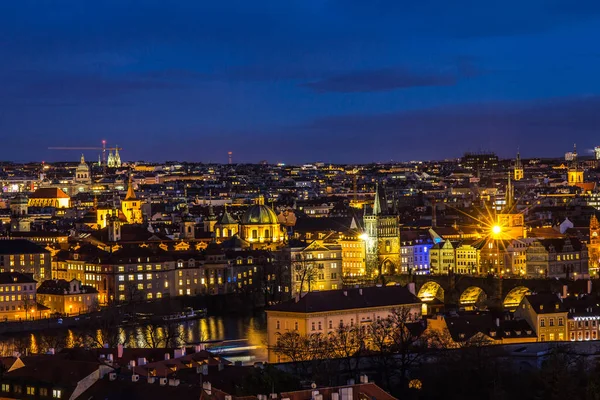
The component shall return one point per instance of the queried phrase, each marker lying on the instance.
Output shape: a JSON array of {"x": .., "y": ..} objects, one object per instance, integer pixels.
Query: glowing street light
[
  {"x": 364, "y": 237},
  {"x": 496, "y": 229}
]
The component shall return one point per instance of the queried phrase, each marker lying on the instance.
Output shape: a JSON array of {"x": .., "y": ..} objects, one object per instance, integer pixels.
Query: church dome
[{"x": 259, "y": 214}]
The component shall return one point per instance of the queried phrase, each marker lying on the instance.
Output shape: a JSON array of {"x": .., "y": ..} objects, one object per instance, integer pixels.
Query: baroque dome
[{"x": 259, "y": 214}]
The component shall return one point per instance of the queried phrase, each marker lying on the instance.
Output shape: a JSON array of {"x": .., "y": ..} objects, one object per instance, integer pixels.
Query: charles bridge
[{"x": 468, "y": 291}]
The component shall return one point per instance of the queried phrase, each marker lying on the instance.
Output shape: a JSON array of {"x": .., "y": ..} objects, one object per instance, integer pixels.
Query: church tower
[
  {"x": 594, "y": 247},
  {"x": 19, "y": 218},
  {"x": 382, "y": 239},
  {"x": 132, "y": 206},
  {"x": 187, "y": 228},
  {"x": 518, "y": 172},
  {"x": 114, "y": 228},
  {"x": 82, "y": 173},
  {"x": 575, "y": 172}
]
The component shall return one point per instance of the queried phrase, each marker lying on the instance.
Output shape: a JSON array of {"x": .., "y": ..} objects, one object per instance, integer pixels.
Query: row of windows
[
  {"x": 551, "y": 321},
  {"x": 31, "y": 391},
  {"x": 16, "y": 288}
]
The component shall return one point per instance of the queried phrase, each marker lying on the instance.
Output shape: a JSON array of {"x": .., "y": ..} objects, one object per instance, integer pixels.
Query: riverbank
[{"x": 232, "y": 304}]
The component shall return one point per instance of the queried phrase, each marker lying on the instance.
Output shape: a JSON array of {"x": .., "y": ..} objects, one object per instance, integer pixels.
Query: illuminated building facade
[
  {"x": 382, "y": 238},
  {"x": 317, "y": 266},
  {"x": 49, "y": 197},
  {"x": 226, "y": 226},
  {"x": 324, "y": 312},
  {"x": 575, "y": 172},
  {"x": 67, "y": 298},
  {"x": 132, "y": 206},
  {"x": 24, "y": 256},
  {"x": 594, "y": 246},
  {"x": 518, "y": 171},
  {"x": 18, "y": 297},
  {"x": 546, "y": 313},
  {"x": 557, "y": 258},
  {"x": 82, "y": 173},
  {"x": 353, "y": 246}
]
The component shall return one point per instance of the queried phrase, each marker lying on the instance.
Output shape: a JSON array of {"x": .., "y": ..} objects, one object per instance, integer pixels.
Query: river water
[{"x": 249, "y": 333}]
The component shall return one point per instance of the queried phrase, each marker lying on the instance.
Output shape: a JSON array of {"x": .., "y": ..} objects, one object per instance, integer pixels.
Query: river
[{"x": 252, "y": 330}]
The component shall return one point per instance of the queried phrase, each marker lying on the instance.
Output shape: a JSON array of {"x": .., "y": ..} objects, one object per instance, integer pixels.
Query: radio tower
[{"x": 229, "y": 155}]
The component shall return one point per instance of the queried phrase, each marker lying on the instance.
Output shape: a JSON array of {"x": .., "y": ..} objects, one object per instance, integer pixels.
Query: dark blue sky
[{"x": 298, "y": 80}]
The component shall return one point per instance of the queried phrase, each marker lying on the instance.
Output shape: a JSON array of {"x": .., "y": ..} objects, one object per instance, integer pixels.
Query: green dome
[{"x": 259, "y": 214}]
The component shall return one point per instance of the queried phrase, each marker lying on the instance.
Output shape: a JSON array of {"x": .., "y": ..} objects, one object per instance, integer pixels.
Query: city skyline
[{"x": 338, "y": 82}]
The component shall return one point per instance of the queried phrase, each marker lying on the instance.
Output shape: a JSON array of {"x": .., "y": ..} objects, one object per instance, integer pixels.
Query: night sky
[{"x": 298, "y": 80}]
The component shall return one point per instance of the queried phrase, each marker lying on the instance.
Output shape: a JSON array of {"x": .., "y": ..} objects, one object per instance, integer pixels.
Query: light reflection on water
[{"x": 253, "y": 329}]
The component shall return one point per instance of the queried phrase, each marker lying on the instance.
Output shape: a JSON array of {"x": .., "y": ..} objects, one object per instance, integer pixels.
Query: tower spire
[
  {"x": 130, "y": 192},
  {"x": 376, "y": 205},
  {"x": 82, "y": 159},
  {"x": 509, "y": 194}
]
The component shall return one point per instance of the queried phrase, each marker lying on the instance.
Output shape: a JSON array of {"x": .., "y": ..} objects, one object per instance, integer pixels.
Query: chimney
[
  {"x": 120, "y": 351},
  {"x": 411, "y": 288},
  {"x": 110, "y": 357},
  {"x": 199, "y": 347},
  {"x": 589, "y": 286},
  {"x": 179, "y": 352},
  {"x": 167, "y": 356},
  {"x": 132, "y": 364},
  {"x": 364, "y": 378},
  {"x": 498, "y": 322},
  {"x": 207, "y": 388},
  {"x": 360, "y": 291},
  {"x": 141, "y": 361},
  {"x": 345, "y": 293},
  {"x": 565, "y": 291}
]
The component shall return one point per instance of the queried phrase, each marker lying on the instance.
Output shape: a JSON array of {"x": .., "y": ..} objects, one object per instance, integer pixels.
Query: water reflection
[{"x": 253, "y": 329}]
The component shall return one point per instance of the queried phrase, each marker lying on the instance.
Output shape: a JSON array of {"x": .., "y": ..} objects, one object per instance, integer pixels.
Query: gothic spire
[
  {"x": 380, "y": 203},
  {"x": 130, "y": 192}
]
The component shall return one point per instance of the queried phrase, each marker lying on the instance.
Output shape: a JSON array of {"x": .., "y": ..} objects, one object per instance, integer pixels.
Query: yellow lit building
[
  {"x": 575, "y": 172},
  {"x": 17, "y": 297},
  {"x": 316, "y": 267},
  {"x": 518, "y": 172},
  {"x": 547, "y": 315},
  {"x": 260, "y": 226},
  {"x": 323, "y": 312},
  {"x": 132, "y": 206},
  {"x": 68, "y": 298},
  {"x": 49, "y": 197},
  {"x": 353, "y": 255}
]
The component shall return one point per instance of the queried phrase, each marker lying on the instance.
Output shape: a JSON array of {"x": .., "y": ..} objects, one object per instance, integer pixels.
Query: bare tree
[
  {"x": 305, "y": 272},
  {"x": 347, "y": 342},
  {"x": 162, "y": 335}
]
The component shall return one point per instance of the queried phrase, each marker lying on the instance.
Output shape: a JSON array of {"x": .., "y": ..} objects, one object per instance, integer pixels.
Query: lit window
[
  {"x": 30, "y": 390},
  {"x": 56, "y": 393}
]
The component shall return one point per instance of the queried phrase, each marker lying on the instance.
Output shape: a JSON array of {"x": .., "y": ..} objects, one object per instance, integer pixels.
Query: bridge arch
[
  {"x": 515, "y": 296},
  {"x": 472, "y": 297},
  {"x": 431, "y": 290}
]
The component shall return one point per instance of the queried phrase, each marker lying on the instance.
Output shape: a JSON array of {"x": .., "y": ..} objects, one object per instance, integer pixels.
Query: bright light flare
[
  {"x": 364, "y": 237},
  {"x": 496, "y": 229}
]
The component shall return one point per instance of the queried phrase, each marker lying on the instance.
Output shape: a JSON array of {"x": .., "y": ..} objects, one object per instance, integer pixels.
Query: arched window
[
  {"x": 254, "y": 233},
  {"x": 225, "y": 232},
  {"x": 267, "y": 234},
  {"x": 189, "y": 229}
]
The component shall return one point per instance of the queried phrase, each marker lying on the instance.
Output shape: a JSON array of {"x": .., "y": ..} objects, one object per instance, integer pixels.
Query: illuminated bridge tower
[
  {"x": 518, "y": 172},
  {"x": 382, "y": 239}
]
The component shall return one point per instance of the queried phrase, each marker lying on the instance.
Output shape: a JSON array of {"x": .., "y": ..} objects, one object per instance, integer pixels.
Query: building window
[
  {"x": 330, "y": 324},
  {"x": 320, "y": 327},
  {"x": 551, "y": 337},
  {"x": 572, "y": 336},
  {"x": 5, "y": 387},
  {"x": 542, "y": 338},
  {"x": 313, "y": 326},
  {"x": 542, "y": 322},
  {"x": 295, "y": 325},
  {"x": 561, "y": 321},
  {"x": 30, "y": 390},
  {"x": 551, "y": 321},
  {"x": 278, "y": 325},
  {"x": 56, "y": 393}
]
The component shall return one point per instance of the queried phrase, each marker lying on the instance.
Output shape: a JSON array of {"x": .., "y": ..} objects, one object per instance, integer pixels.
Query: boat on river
[{"x": 186, "y": 315}]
